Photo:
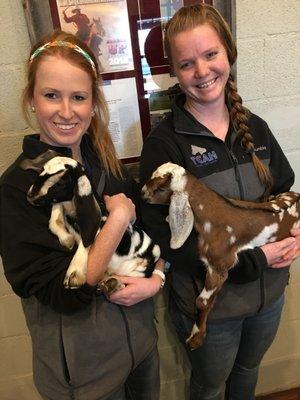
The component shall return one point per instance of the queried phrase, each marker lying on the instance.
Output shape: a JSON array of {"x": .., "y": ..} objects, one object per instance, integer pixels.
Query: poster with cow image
[{"x": 104, "y": 26}]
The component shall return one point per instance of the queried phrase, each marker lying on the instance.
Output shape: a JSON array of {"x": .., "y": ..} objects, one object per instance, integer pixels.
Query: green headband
[{"x": 62, "y": 43}]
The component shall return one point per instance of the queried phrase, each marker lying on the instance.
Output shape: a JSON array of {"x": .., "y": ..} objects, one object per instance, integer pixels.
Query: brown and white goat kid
[
  {"x": 76, "y": 218},
  {"x": 224, "y": 226}
]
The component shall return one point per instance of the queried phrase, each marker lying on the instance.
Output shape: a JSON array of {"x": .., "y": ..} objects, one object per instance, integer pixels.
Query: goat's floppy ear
[
  {"x": 181, "y": 219},
  {"x": 88, "y": 212},
  {"x": 36, "y": 164}
]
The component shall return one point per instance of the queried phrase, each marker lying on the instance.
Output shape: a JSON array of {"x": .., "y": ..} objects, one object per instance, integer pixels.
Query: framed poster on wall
[
  {"x": 104, "y": 26},
  {"x": 126, "y": 36}
]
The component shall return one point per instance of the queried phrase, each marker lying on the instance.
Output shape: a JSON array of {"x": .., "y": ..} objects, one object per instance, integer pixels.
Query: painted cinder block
[
  {"x": 5, "y": 288},
  {"x": 249, "y": 72},
  {"x": 12, "y": 143},
  {"x": 286, "y": 371},
  {"x": 174, "y": 390},
  {"x": 173, "y": 365},
  {"x": 20, "y": 387},
  {"x": 267, "y": 17},
  {"x": 283, "y": 117},
  {"x": 12, "y": 82},
  {"x": 15, "y": 357},
  {"x": 12, "y": 317},
  {"x": 14, "y": 36},
  {"x": 282, "y": 76}
]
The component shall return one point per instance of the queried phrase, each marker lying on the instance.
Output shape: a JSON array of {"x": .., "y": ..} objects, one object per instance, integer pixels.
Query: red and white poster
[{"x": 104, "y": 26}]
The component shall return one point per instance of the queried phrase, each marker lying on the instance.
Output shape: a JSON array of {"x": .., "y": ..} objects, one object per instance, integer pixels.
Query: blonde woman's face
[
  {"x": 63, "y": 101},
  {"x": 201, "y": 64}
]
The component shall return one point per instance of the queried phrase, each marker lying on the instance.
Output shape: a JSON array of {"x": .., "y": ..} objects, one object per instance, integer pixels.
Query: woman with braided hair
[{"x": 212, "y": 135}]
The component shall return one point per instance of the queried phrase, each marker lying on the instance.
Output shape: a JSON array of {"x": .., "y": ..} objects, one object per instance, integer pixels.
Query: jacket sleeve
[
  {"x": 251, "y": 262},
  {"x": 34, "y": 261},
  {"x": 282, "y": 172}
]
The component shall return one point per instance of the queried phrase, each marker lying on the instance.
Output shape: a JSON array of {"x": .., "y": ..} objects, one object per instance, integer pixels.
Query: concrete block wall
[
  {"x": 268, "y": 35},
  {"x": 268, "y": 38},
  {"x": 15, "y": 345}
]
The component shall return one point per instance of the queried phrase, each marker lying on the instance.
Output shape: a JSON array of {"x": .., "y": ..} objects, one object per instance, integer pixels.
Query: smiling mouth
[
  {"x": 206, "y": 84},
  {"x": 65, "y": 127}
]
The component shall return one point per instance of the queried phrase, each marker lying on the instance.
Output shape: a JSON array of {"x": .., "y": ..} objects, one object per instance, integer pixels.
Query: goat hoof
[
  {"x": 194, "y": 342},
  {"x": 110, "y": 286},
  {"x": 196, "y": 338},
  {"x": 74, "y": 280}
]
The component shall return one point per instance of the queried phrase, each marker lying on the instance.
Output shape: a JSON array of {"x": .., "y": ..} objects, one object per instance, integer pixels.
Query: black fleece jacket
[
  {"x": 34, "y": 261},
  {"x": 225, "y": 168}
]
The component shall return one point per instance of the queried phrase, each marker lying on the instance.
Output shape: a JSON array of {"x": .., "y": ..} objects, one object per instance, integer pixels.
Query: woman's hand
[
  {"x": 295, "y": 252},
  {"x": 135, "y": 290},
  {"x": 121, "y": 206},
  {"x": 282, "y": 253}
]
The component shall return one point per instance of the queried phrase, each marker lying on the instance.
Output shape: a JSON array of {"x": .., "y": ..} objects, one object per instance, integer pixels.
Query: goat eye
[{"x": 160, "y": 190}]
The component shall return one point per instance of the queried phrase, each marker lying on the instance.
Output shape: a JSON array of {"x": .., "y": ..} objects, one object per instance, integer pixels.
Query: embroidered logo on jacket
[{"x": 201, "y": 157}]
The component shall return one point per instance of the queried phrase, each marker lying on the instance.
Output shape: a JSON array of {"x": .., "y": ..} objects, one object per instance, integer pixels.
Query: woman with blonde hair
[
  {"x": 211, "y": 134},
  {"x": 85, "y": 346}
]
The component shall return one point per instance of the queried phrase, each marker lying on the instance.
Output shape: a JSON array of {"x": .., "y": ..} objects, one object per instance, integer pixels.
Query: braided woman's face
[{"x": 201, "y": 65}]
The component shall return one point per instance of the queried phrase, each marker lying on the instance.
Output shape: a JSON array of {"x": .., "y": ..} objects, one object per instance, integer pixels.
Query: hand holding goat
[
  {"x": 224, "y": 226},
  {"x": 76, "y": 218}
]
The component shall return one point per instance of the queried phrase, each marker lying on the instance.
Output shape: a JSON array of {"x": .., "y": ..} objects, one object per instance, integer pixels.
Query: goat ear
[
  {"x": 181, "y": 219},
  {"x": 36, "y": 164},
  {"x": 88, "y": 212}
]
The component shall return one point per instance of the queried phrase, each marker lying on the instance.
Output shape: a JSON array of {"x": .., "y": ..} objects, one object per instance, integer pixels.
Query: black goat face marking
[
  {"x": 41, "y": 189},
  {"x": 58, "y": 164},
  {"x": 55, "y": 182}
]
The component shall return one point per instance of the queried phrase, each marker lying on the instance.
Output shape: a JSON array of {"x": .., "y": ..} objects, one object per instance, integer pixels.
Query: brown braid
[{"x": 239, "y": 116}]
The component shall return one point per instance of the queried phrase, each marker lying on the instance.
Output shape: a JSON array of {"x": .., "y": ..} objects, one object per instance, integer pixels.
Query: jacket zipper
[
  {"x": 237, "y": 174},
  {"x": 242, "y": 196},
  {"x": 65, "y": 366},
  {"x": 128, "y": 337}
]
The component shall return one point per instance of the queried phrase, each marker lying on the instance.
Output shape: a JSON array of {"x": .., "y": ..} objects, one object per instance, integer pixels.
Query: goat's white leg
[
  {"x": 57, "y": 226},
  {"x": 76, "y": 273}
]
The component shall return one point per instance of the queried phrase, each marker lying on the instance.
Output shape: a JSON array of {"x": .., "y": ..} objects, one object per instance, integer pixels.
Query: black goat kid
[{"x": 77, "y": 218}]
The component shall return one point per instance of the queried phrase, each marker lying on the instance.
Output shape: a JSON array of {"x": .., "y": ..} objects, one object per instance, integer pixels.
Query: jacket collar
[
  {"x": 185, "y": 122},
  {"x": 33, "y": 147}
]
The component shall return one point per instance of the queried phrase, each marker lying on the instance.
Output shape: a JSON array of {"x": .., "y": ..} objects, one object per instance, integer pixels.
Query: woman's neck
[
  {"x": 76, "y": 154},
  {"x": 215, "y": 116}
]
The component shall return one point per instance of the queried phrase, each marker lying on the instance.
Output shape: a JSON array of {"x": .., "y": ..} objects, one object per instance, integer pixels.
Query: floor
[{"x": 293, "y": 394}]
